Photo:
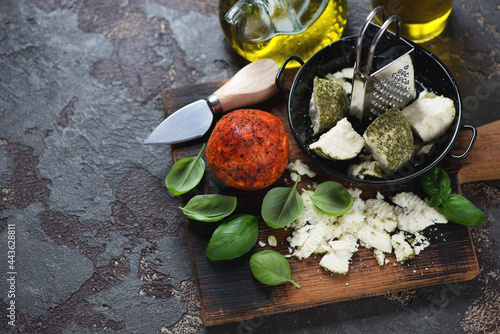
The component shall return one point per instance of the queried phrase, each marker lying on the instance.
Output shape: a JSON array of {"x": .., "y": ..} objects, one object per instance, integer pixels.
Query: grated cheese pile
[{"x": 374, "y": 224}]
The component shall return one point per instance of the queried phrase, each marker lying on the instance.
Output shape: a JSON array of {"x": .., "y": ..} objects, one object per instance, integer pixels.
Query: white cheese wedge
[
  {"x": 341, "y": 142},
  {"x": 430, "y": 116}
]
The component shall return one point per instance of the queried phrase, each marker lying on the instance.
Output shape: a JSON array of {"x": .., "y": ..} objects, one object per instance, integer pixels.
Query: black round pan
[{"x": 430, "y": 74}]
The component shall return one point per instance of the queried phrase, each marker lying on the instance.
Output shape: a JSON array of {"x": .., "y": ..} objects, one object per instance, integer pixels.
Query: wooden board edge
[{"x": 211, "y": 321}]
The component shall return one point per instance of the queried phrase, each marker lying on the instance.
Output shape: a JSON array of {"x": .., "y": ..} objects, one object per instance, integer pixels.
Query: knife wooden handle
[
  {"x": 252, "y": 84},
  {"x": 483, "y": 162}
]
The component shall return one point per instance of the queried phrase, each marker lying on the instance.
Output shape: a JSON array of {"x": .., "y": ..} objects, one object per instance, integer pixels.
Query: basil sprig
[
  {"x": 331, "y": 198},
  {"x": 456, "y": 208},
  {"x": 271, "y": 268},
  {"x": 185, "y": 174},
  {"x": 437, "y": 185},
  {"x": 233, "y": 238},
  {"x": 209, "y": 208},
  {"x": 281, "y": 206}
]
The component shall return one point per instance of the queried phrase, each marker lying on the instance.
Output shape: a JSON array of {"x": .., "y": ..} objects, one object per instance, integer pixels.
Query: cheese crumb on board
[
  {"x": 300, "y": 168},
  {"x": 402, "y": 249},
  {"x": 373, "y": 224},
  {"x": 379, "y": 257},
  {"x": 271, "y": 240}
]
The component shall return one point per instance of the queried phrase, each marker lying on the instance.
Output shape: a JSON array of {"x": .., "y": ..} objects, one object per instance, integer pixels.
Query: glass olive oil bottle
[{"x": 278, "y": 29}]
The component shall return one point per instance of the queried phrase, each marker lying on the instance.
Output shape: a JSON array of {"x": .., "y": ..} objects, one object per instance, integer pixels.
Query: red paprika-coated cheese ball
[{"x": 248, "y": 149}]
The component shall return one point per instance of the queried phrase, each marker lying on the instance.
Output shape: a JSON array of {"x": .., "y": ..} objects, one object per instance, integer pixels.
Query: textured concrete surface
[{"x": 100, "y": 245}]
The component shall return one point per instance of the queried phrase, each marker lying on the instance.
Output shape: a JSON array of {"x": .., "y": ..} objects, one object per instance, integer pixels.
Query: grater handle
[
  {"x": 376, "y": 39},
  {"x": 359, "y": 41}
]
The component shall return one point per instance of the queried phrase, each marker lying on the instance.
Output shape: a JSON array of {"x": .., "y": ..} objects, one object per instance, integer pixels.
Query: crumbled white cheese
[
  {"x": 348, "y": 72},
  {"x": 419, "y": 242},
  {"x": 373, "y": 223},
  {"x": 349, "y": 222},
  {"x": 262, "y": 244},
  {"x": 312, "y": 241},
  {"x": 300, "y": 168},
  {"x": 366, "y": 168},
  {"x": 337, "y": 259},
  {"x": 374, "y": 237},
  {"x": 402, "y": 249},
  {"x": 426, "y": 149},
  {"x": 414, "y": 214},
  {"x": 322, "y": 248},
  {"x": 271, "y": 240},
  {"x": 379, "y": 256},
  {"x": 379, "y": 213}
]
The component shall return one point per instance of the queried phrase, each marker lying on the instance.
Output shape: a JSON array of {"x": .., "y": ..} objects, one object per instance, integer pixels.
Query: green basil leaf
[
  {"x": 281, "y": 206},
  {"x": 436, "y": 181},
  {"x": 233, "y": 238},
  {"x": 185, "y": 174},
  {"x": 436, "y": 201},
  {"x": 210, "y": 208},
  {"x": 331, "y": 198},
  {"x": 460, "y": 210},
  {"x": 271, "y": 268}
]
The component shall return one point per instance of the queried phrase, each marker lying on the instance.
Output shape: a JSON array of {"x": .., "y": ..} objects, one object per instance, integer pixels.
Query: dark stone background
[{"x": 100, "y": 244}]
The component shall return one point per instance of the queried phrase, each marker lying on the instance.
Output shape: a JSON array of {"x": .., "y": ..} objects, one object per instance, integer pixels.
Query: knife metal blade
[
  {"x": 254, "y": 83},
  {"x": 172, "y": 131}
]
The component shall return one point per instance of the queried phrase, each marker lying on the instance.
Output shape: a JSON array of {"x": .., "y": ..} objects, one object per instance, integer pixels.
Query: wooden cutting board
[{"x": 229, "y": 292}]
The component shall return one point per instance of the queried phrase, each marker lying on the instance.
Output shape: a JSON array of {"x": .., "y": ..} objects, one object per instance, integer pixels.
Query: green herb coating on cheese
[
  {"x": 390, "y": 140},
  {"x": 329, "y": 104}
]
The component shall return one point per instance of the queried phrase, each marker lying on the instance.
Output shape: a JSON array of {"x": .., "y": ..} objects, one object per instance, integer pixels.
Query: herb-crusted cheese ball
[
  {"x": 341, "y": 142},
  {"x": 328, "y": 105},
  {"x": 390, "y": 140}
]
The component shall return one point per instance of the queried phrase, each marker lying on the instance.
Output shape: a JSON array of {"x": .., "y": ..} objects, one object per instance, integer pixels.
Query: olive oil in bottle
[
  {"x": 277, "y": 29},
  {"x": 420, "y": 20}
]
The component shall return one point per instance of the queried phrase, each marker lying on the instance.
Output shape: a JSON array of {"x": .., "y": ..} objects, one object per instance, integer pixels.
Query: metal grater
[{"x": 385, "y": 78}]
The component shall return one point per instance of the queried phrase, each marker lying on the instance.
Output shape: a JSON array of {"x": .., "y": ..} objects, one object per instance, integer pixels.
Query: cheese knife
[{"x": 252, "y": 84}]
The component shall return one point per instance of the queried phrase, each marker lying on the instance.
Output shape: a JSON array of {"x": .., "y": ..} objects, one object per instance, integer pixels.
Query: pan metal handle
[
  {"x": 471, "y": 142},
  {"x": 279, "y": 75}
]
